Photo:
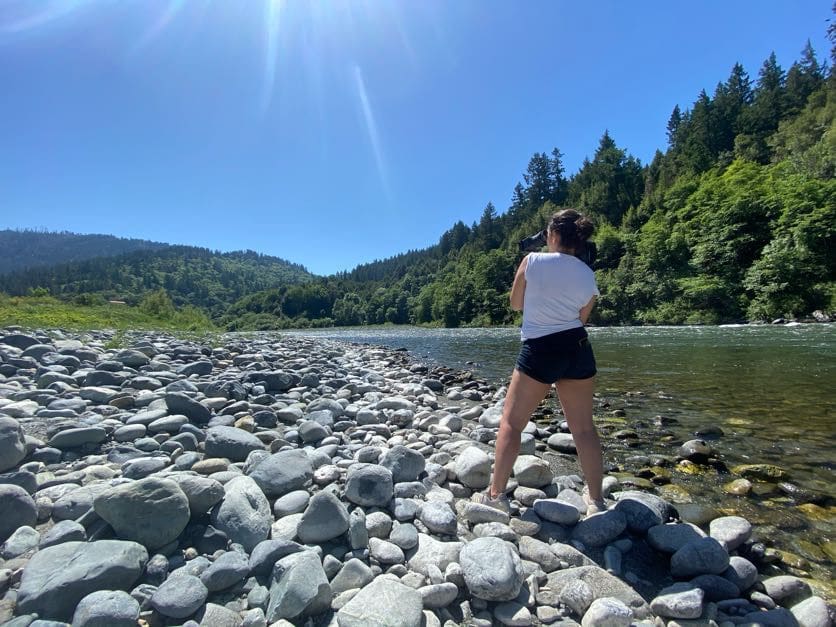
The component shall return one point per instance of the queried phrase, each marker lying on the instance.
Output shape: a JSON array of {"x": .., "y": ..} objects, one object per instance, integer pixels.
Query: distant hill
[
  {"x": 192, "y": 276},
  {"x": 22, "y": 249}
]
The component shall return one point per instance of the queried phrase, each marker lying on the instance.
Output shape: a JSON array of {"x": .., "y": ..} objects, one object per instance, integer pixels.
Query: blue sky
[{"x": 334, "y": 133}]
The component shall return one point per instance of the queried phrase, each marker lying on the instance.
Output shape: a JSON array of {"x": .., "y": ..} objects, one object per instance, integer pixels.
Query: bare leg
[
  {"x": 524, "y": 394},
  {"x": 576, "y": 398}
]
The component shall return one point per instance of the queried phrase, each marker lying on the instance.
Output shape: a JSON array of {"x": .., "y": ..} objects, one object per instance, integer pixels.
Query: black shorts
[{"x": 563, "y": 355}]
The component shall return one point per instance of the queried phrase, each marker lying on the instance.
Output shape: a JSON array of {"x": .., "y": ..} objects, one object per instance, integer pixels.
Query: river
[{"x": 771, "y": 390}]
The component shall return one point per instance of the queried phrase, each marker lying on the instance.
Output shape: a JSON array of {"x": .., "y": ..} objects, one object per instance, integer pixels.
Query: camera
[{"x": 585, "y": 253}]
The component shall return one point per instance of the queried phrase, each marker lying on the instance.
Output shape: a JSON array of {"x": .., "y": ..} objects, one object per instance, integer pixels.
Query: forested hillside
[
  {"x": 191, "y": 276},
  {"x": 21, "y": 249},
  {"x": 734, "y": 221}
]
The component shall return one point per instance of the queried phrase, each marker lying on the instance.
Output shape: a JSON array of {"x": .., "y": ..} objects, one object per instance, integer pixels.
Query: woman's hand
[
  {"x": 586, "y": 310},
  {"x": 518, "y": 289}
]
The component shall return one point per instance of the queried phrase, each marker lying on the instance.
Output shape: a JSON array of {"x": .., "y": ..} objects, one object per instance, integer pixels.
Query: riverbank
[{"x": 199, "y": 467}]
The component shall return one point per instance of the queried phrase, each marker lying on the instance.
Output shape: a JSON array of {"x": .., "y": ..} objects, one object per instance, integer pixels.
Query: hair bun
[{"x": 584, "y": 227}]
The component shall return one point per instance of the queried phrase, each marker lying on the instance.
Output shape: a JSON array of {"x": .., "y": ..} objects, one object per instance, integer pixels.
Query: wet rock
[{"x": 759, "y": 472}]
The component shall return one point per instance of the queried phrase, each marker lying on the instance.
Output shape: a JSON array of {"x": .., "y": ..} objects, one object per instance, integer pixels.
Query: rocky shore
[{"x": 294, "y": 481}]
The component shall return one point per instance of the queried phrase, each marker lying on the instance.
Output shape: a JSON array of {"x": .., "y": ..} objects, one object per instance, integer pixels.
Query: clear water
[{"x": 771, "y": 389}]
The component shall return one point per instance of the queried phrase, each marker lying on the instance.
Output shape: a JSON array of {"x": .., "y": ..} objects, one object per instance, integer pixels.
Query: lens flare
[{"x": 371, "y": 127}]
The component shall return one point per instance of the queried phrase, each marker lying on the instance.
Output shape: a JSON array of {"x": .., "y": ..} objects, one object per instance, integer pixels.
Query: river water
[{"x": 770, "y": 389}]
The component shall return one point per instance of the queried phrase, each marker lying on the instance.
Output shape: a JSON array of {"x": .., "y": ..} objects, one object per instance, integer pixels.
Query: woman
[{"x": 556, "y": 292}]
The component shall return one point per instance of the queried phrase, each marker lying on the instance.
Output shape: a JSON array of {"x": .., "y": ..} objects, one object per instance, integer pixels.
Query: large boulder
[
  {"x": 369, "y": 485},
  {"x": 58, "y": 577},
  {"x": 473, "y": 468},
  {"x": 406, "y": 464},
  {"x": 150, "y": 511},
  {"x": 325, "y": 519}
]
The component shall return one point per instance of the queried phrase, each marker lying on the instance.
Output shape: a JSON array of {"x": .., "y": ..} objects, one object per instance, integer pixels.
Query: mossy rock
[
  {"x": 687, "y": 467},
  {"x": 810, "y": 551},
  {"x": 675, "y": 493},
  {"x": 760, "y": 472},
  {"x": 817, "y": 512}
]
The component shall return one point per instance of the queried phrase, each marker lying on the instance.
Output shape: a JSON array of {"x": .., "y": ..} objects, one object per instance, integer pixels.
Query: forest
[{"x": 734, "y": 221}]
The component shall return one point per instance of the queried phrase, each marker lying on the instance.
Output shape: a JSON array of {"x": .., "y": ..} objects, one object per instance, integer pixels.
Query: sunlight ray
[
  {"x": 47, "y": 12},
  {"x": 271, "y": 32},
  {"x": 172, "y": 9},
  {"x": 371, "y": 126}
]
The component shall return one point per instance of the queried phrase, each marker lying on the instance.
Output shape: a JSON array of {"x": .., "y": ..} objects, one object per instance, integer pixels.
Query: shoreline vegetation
[{"x": 349, "y": 468}]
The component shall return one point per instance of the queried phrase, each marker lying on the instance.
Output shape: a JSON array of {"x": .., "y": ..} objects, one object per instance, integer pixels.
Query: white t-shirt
[{"x": 557, "y": 286}]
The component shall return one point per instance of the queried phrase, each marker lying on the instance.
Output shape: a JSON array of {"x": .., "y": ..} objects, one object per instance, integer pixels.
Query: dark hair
[{"x": 573, "y": 227}]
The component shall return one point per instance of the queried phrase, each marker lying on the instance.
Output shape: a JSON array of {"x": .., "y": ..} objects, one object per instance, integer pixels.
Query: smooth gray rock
[
  {"x": 22, "y": 540},
  {"x": 716, "y": 588},
  {"x": 231, "y": 442},
  {"x": 778, "y": 617},
  {"x": 106, "y": 608},
  {"x": 404, "y": 463},
  {"x": 439, "y": 518},
  {"x": 532, "y": 472},
  {"x": 438, "y": 595},
  {"x": 477, "y": 513},
  {"x": 671, "y": 537},
  {"x": 143, "y": 467},
  {"x": 214, "y": 615},
  {"x": 369, "y": 485},
  {"x": 730, "y": 531},
  {"x": 77, "y": 437},
  {"x": 473, "y": 468},
  {"x": 267, "y": 553},
  {"x": 181, "y": 403},
  {"x": 563, "y": 443},
  {"x": 203, "y": 493},
  {"x": 600, "y": 529},
  {"x": 603, "y": 584},
  {"x": 12, "y": 443},
  {"x": 680, "y": 600},
  {"x": 786, "y": 590},
  {"x": 741, "y": 572},
  {"x": 539, "y": 553},
  {"x": 577, "y": 595},
  {"x": 150, "y": 511},
  {"x": 132, "y": 358},
  {"x": 607, "y": 612},
  {"x": 492, "y": 569},
  {"x": 358, "y": 534},
  {"x": 179, "y": 596},
  {"x": 291, "y": 503},
  {"x": 704, "y": 556},
  {"x": 385, "y": 552},
  {"x": 384, "y": 602},
  {"x": 226, "y": 571},
  {"x": 432, "y": 552},
  {"x": 299, "y": 588},
  {"x": 513, "y": 614},
  {"x": 202, "y": 367},
  {"x": 18, "y": 509},
  {"x": 812, "y": 612},
  {"x": 557, "y": 511},
  {"x": 63, "y": 531},
  {"x": 324, "y": 519},
  {"x": 405, "y": 535},
  {"x": 244, "y": 513},
  {"x": 86, "y": 567},
  {"x": 283, "y": 472},
  {"x": 353, "y": 574},
  {"x": 643, "y": 510},
  {"x": 78, "y": 502}
]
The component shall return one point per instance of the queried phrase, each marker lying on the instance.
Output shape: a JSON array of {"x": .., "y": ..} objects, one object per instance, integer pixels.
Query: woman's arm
[
  {"x": 518, "y": 289},
  {"x": 586, "y": 310}
]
